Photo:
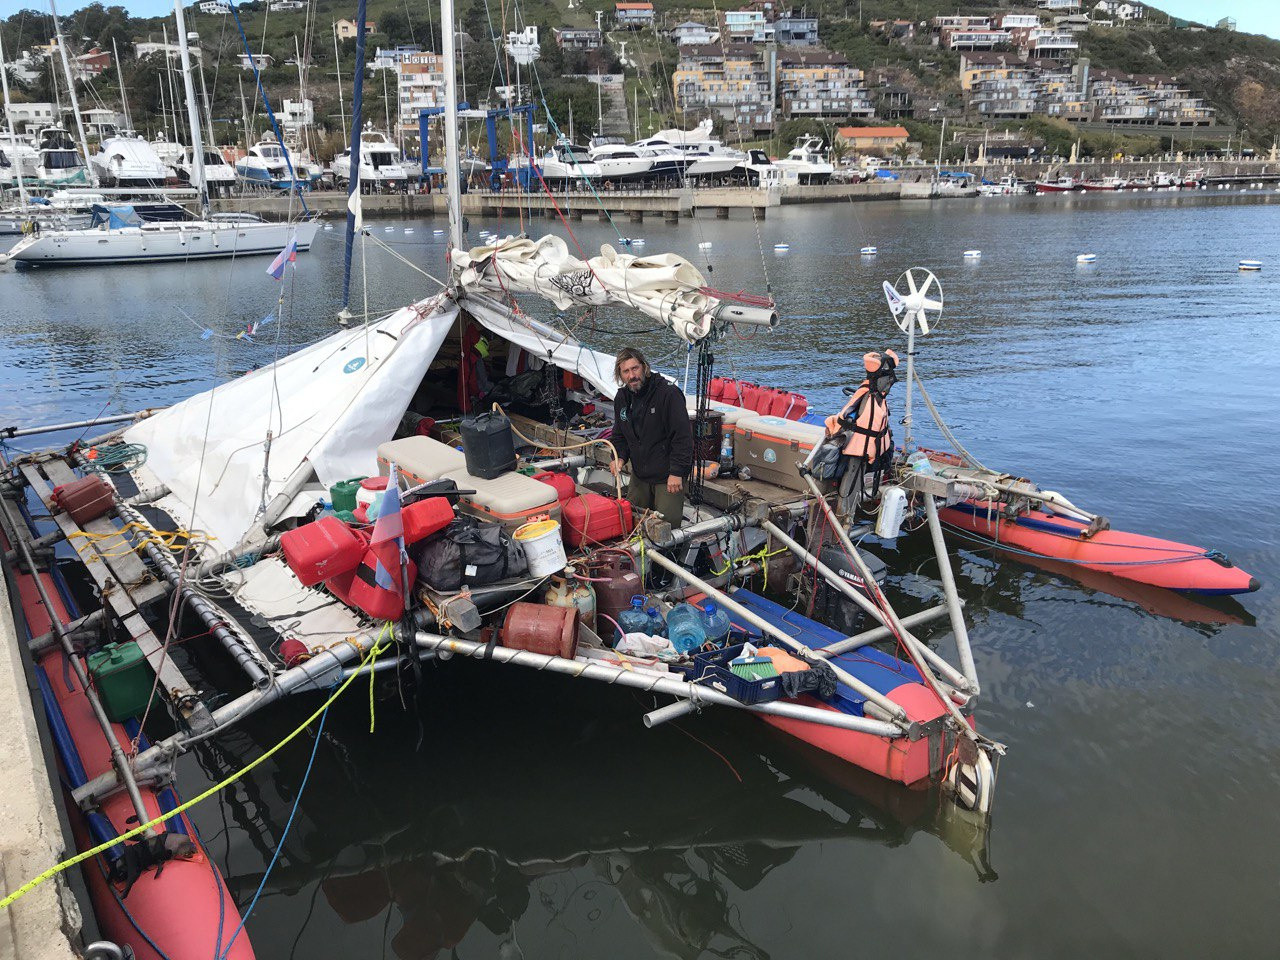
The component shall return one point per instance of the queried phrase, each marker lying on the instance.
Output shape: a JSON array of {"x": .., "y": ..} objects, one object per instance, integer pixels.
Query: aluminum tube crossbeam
[
  {"x": 850, "y": 591},
  {"x": 118, "y": 760},
  {"x": 952, "y": 597},
  {"x": 892, "y": 709},
  {"x": 7, "y": 432},
  {"x": 876, "y": 634},
  {"x": 655, "y": 683}
]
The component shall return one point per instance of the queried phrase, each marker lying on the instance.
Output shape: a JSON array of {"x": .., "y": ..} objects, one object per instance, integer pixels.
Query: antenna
[{"x": 915, "y": 308}]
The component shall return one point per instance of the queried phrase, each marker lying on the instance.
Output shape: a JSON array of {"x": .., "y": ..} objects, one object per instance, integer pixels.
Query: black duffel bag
[{"x": 468, "y": 552}]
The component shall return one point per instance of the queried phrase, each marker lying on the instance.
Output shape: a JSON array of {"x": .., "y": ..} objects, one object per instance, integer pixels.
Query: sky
[{"x": 1252, "y": 16}]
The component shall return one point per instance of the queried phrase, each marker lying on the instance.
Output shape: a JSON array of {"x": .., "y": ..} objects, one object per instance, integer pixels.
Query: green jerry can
[{"x": 123, "y": 679}]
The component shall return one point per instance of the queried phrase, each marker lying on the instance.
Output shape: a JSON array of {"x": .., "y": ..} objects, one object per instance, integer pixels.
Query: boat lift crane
[{"x": 499, "y": 165}]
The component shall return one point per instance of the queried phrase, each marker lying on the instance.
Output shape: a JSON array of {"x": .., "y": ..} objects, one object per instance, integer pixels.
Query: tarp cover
[
  {"x": 115, "y": 217},
  {"x": 331, "y": 403}
]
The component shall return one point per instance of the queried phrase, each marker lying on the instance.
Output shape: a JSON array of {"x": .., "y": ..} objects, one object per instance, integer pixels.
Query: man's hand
[
  {"x": 674, "y": 484},
  {"x": 616, "y": 466}
]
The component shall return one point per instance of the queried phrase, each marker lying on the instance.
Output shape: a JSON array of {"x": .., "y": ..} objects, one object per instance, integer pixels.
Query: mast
[
  {"x": 208, "y": 111},
  {"x": 173, "y": 94},
  {"x": 353, "y": 167},
  {"x": 452, "y": 185},
  {"x": 124, "y": 96},
  {"x": 8, "y": 119},
  {"x": 193, "y": 118},
  {"x": 71, "y": 86},
  {"x": 337, "y": 72}
]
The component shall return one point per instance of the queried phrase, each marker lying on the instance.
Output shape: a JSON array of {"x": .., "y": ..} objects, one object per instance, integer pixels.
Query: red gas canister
[
  {"x": 750, "y": 395},
  {"x": 539, "y": 628},
  {"x": 729, "y": 393},
  {"x": 782, "y": 404},
  {"x": 321, "y": 550},
  {"x": 380, "y": 603},
  {"x": 425, "y": 517},
  {"x": 799, "y": 408},
  {"x": 592, "y": 518},
  {"x": 716, "y": 388},
  {"x": 85, "y": 499},
  {"x": 566, "y": 489}
]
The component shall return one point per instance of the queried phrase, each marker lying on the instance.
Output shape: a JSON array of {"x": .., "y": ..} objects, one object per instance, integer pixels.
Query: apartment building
[
  {"x": 731, "y": 80},
  {"x": 419, "y": 85},
  {"x": 633, "y": 16},
  {"x": 689, "y": 33},
  {"x": 746, "y": 26},
  {"x": 573, "y": 38},
  {"x": 818, "y": 83},
  {"x": 796, "y": 28}
]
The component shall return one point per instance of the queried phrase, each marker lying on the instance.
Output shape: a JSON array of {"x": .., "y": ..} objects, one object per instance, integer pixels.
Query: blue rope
[
  {"x": 271, "y": 114},
  {"x": 280, "y": 843}
]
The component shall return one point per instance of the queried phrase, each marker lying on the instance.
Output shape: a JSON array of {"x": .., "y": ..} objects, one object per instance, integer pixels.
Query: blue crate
[{"x": 711, "y": 669}]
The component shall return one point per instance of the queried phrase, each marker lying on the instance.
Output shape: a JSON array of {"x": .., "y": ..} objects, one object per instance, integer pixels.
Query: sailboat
[{"x": 121, "y": 233}]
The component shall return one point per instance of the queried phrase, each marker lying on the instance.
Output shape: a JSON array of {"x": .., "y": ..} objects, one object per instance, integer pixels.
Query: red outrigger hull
[
  {"x": 185, "y": 909},
  {"x": 1128, "y": 556}
]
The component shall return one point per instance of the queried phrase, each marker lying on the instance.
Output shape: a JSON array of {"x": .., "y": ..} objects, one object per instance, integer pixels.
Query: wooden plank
[{"x": 119, "y": 593}]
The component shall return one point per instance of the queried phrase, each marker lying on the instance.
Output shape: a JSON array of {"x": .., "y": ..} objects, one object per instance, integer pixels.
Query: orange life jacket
[{"x": 871, "y": 435}]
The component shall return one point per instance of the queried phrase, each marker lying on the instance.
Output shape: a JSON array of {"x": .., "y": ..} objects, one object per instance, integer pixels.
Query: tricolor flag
[
  {"x": 387, "y": 542},
  {"x": 288, "y": 255}
]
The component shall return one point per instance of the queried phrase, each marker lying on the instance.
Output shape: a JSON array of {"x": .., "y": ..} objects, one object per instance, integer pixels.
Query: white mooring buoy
[
  {"x": 868, "y": 251},
  {"x": 781, "y": 247},
  {"x": 1087, "y": 258},
  {"x": 973, "y": 254},
  {"x": 705, "y": 245},
  {"x": 1250, "y": 264}
]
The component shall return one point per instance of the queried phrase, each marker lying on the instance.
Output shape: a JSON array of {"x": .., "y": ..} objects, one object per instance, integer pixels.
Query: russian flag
[
  {"x": 387, "y": 542},
  {"x": 288, "y": 255}
]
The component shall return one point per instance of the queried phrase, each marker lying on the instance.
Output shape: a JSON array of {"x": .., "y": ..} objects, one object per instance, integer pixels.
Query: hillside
[{"x": 1238, "y": 73}]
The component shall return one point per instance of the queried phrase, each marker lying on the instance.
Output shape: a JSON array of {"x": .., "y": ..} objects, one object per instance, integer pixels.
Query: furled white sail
[{"x": 666, "y": 286}]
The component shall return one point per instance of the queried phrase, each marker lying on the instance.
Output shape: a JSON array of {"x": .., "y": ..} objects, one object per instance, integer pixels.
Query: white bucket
[{"x": 543, "y": 548}]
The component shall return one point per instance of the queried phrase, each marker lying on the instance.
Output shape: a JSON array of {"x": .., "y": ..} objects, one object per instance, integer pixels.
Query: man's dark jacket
[{"x": 651, "y": 429}]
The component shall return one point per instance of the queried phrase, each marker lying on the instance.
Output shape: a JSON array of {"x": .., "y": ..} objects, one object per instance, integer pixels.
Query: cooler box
[
  {"x": 773, "y": 448},
  {"x": 321, "y": 550},
  {"x": 420, "y": 459},
  {"x": 512, "y": 498},
  {"x": 594, "y": 519}
]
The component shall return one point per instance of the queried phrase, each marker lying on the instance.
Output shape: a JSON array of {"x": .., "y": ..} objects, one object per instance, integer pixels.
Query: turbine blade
[
  {"x": 911, "y": 282},
  {"x": 931, "y": 304}
]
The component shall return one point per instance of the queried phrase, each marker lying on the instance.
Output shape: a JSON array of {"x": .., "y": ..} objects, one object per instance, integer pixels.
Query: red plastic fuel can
[
  {"x": 321, "y": 550},
  {"x": 85, "y": 499}
]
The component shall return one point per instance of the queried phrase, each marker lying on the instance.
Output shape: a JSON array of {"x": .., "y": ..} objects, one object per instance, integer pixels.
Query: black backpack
[{"x": 468, "y": 552}]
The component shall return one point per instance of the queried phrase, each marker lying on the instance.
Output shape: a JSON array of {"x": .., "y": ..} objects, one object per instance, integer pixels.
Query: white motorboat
[
  {"x": 172, "y": 155},
  {"x": 22, "y": 156},
  {"x": 9, "y": 172},
  {"x": 619, "y": 161},
  {"x": 265, "y": 166},
  {"x": 807, "y": 161},
  {"x": 381, "y": 163},
  {"x": 219, "y": 176},
  {"x": 1104, "y": 184},
  {"x": 127, "y": 160},
  {"x": 1006, "y": 186},
  {"x": 759, "y": 171},
  {"x": 58, "y": 162},
  {"x": 705, "y": 157},
  {"x": 566, "y": 164},
  {"x": 118, "y": 234}
]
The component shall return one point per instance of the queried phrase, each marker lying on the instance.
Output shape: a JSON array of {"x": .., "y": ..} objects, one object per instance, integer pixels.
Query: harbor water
[{"x": 509, "y": 814}]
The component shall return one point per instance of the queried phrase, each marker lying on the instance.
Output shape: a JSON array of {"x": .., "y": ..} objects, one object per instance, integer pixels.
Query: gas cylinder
[
  {"x": 567, "y": 592},
  {"x": 615, "y": 580}
]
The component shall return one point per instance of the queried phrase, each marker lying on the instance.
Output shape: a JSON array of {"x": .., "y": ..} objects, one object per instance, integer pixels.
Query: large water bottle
[
  {"x": 634, "y": 619},
  {"x": 716, "y": 623},
  {"x": 685, "y": 628}
]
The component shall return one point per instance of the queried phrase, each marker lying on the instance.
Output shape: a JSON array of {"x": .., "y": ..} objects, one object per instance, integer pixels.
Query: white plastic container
[
  {"x": 543, "y": 547},
  {"x": 893, "y": 509}
]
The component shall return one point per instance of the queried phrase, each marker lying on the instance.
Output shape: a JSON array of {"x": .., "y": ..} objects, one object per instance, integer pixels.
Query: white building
[
  {"x": 524, "y": 47},
  {"x": 1019, "y": 21},
  {"x": 391, "y": 59},
  {"x": 170, "y": 50},
  {"x": 278, "y": 5},
  {"x": 216, "y": 7},
  {"x": 1120, "y": 10},
  {"x": 297, "y": 114},
  {"x": 693, "y": 33},
  {"x": 260, "y": 60},
  {"x": 28, "y": 118}
]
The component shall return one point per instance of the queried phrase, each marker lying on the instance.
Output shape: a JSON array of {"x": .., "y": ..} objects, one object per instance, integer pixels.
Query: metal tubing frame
[
  {"x": 894, "y": 622},
  {"x": 654, "y": 683},
  {"x": 9, "y": 432},
  {"x": 952, "y": 597},
  {"x": 875, "y": 697},
  {"x": 876, "y": 634},
  {"x": 920, "y": 649},
  {"x": 118, "y": 759}
]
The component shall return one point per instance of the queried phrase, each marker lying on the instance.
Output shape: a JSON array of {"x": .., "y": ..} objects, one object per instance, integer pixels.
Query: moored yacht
[
  {"x": 619, "y": 161},
  {"x": 58, "y": 162},
  {"x": 219, "y": 176},
  {"x": 1060, "y": 185},
  {"x": 807, "y": 162},
  {"x": 1105, "y": 184},
  {"x": 265, "y": 166},
  {"x": 566, "y": 164},
  {"x": 127, "y": 160},
  {"x": 381, "y": 162}
]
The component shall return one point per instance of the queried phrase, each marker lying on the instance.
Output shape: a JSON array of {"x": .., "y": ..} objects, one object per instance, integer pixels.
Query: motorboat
[
  {"x": 1006, "y": 186},
  {"x": 1105, "y": 184},
  {"x": 120, "y": 234},
  {"x": 265, "y": 166},
  {"x": 381, "y": 163},
  {"x": 58, "y": 162},
  {"x": 807, "y": 162},
  {"x": 9, "y": 172},
  {"x": 618, "y": 160},
  {"x": 705, "y": 157},
  {"x": 172, "y": 155},
  {"x": 127, "y": 160},
  {"x": 566, "y": 164},
  {"x": 758, "y": 170},
  {"x": 1064, "y": 184},
  {"x": 219, "y": 176}
]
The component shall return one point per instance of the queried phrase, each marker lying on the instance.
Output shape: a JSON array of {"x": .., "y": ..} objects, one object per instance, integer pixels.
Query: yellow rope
[{"x": 136, "y": 831}]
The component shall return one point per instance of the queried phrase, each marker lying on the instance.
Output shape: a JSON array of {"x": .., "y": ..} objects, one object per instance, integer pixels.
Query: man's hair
[{"x": 630, "y": 353}]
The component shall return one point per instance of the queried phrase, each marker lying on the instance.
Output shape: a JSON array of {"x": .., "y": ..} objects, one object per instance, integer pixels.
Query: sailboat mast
[
  {"x": 353, "y": 168},
  {"x": 453, "y": 187},
  {"x": 8, "y": 119},
  {"x": 124, "y": 96},
  {"x": 208, "y": 111},
  {"x": 193, "y": 118},
  {"x": 337, "y": 72},
  {"x": 71, "y": 86}
]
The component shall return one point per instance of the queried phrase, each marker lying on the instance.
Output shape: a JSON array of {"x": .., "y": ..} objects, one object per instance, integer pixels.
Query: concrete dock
[{"x": 44, "y": 924}]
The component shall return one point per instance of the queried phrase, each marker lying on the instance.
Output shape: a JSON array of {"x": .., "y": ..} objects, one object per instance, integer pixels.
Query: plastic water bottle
[
  {"x": 726, "y": 451},
  {"x": 634, "y": 619},
  {"x": 685, "y": 628},
  {"x": 657, "y": 625},
  {"x": 716, "y": 623},
  {"x": 920, "y": 463}
]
